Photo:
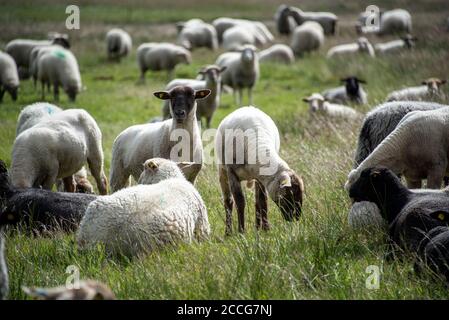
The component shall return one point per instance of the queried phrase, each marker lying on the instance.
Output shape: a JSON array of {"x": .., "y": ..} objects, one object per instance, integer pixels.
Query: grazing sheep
[
  {"x": 381, "y": 121},
  {"x": 409, "y": 213},
  {"x": 327, "y": 20},
  {"x": 9, "y": 76},
  {"x": 58, "y": 67},
  {"x": 205, "y": 107},
  {"x": 280, "y": 53},
  {"x": 85, "y": 290},
  {"x": 284, "y": 21},
  {"x": 433, "y": 252},
  {"x": 242, "y": 71},
  {"x": 195, "y": 33},
  {"x": 307, "y": 37},
  {"x": 365, "y": 215},
  {"x": 161, "y": 56},
  {"x": 20, "y": 50},
  {"x": 260, "y": 32},
  {"x": 39, "y": 111},
  {"x": 401, "y": 153},
  {"x": 362, "y": 45},
  {"x": 140, "y": 142},
  {"x": 57, "y": 148},
  {"x": 4, "y": 279},
  {"x": 118, "y": 43},
  {"x": 407, "y": 42},
  {"x": 318, "y": 104},
  {"x": 142, "y": 218},
  {"x": 257, "y": 160},
  {"x": 236, "y": 37},
  {"x": 352, "y": 91},
  {"x": 429, "y": 90},
  {"x": 40, "y": 210},
  {"x": 390, "y": 22}
]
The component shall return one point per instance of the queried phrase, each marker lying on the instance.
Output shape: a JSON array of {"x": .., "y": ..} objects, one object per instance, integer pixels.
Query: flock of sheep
[{"x": 54, "y": 146}]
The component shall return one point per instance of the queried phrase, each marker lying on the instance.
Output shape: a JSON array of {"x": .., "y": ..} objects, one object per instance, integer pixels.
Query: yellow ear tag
[{"x": 441, "y": 216}]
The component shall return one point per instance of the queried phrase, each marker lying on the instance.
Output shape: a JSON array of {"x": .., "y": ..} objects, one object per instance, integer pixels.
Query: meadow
[{"x": 319, "y": 257}]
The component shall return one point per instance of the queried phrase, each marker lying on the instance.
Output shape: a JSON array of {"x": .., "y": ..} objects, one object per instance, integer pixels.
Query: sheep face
[
  {"x": 248, "y": 55},
  {"x": 288, "y": 195},
  {"x": 212, "y": 73},
  {"x": 409, "y": 41},
  {"x": 315, "y": 101},
  {"x": 63, "y": 41},
  {"x": 182, "y": 101},
  {"x": 433, "y": 85},
  {"x": 352, "y": 85}
]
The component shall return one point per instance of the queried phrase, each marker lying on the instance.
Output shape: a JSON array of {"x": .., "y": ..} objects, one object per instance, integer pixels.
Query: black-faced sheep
[{"x": 352, "y": 91}]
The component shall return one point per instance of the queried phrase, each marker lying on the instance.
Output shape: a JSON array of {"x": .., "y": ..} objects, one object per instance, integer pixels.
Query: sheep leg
[
  {"x": 261, "y": 207},
  {"x": 239, "y": 198},
  {"x": 142, "y": 77},
  {"x": 69, "y": 184},
  {"x": 50, "y": 180},
  {"x": 227, "y": 199},
  {"x": 56, "y": 92},
  {"x": 43, "y": 90},
  {"x": 413, "y": 183},
  {"x": 2, "y": 93},
  {"x": 96, "y": 168},
  {"x": 435, "y": 178}
]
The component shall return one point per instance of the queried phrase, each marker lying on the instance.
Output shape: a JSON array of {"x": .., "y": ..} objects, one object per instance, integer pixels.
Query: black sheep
[
  {"x": 41, "y": 210},
  {"x": 409, "y": 213}
]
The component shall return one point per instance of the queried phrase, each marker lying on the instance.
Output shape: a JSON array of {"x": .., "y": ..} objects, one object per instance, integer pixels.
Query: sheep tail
[{"x": 5, "y": 185}]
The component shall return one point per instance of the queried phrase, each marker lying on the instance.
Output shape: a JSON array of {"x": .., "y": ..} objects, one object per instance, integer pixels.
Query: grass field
[{"x": 317, "y": 258}]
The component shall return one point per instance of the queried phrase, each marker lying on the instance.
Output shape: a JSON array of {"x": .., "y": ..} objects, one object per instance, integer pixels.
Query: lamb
[
  {"x": 307, "y": 37},
  {"x": 20, "y": 50},
  {"x": 57, "y": 148},
  {"x": 142, "y": 218},
  {"x": 141, "y": 142},
  {"x": 407, "y": 42},
  {"x": 236, "y": 37},
  {"x": 242, "y": 71},
  {"x": 205, "y": 107},
  {"x": 318, "y": 104},
  {"x": 36, "y": 112},
  {"x": 327, "y": 20},
  {"x": 161, "y": 56},
  {"x": 59, "y": 67},
  {"x": 260, "y": 32},
  {"x": 362, "y": 45},
  {"x": 40, "y": 210},
  {"x": 9, "y": 76},
  {"x": 430, "y": 89},
  {"x": 284, "y": 21},
  {"x": 195, "y": 33},
  {"x": 391, "y": 22},
  {"x": 381, "y": 121},
  {"x": 118, "y": 43},
  {"x": 352, "y": 91},
  {"x": 257, "y": 160},
  {"x": 400, "y": 152},
  {"x": 279, "y": 53},
  {"x": 409, "y": 213}
]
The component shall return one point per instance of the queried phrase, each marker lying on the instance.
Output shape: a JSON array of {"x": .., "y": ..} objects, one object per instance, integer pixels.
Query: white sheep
[
  {"x": 195, "y": 33},
  {"x": 327, "y": 20},
  {"x": 407, "y": 42},
  {"x": 362, "y": 45},
  {"x": 236, "y": 37},
  {"x": 118, "y": 43},
  {"x": 429, "y": 90},
  {"x": 205, "y": 107},
  {"x": 365, "y": 215},
  {"x": 390, "y": 22},
  {"x": 280, "y": 53},
  {"x": 57, "y": 148},
  {"x": 247, "y": 149},
  {"x": 352, "y": 91},
  {"x": 140, "y": 142},
  {"x": 145, "y": 217},
  {"x": 416, "y": 148},
  {"x": 242, "y": 71},
  {"x": 9, "y": 76},
  {"x": 260, "y": 32},
  {"x": 318, "y": 104},
  {"x": 161, "y": 56},
  {"x": 58, "y": 67},
  {"x": 307, "y": 37},
  {"x": 20, "y": 50}
]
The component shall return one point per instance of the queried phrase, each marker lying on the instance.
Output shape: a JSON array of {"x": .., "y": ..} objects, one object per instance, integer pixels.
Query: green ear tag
[{"x": 441, "y": 216}]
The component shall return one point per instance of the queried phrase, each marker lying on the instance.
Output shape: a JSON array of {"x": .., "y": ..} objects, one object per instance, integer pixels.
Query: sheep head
[
  {"x": 212, "y": 73},
  {"x": 433, "y": 84},
  {"x": 352, "y": 85},
  {"x": 315, "y": 101},
  {"x": 182, "y": 101},
  {"x": 158, "y": 169},
  {"x": 287, "y": 191}
]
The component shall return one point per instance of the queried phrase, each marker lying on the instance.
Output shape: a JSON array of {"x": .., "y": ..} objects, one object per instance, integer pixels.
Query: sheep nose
[{"x": 180, "y": 113}]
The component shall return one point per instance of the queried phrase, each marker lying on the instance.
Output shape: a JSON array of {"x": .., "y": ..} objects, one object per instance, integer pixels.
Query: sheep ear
[
  {"x": 163, "y": 95},
  {"x": 201, "y": 94},
  {"x": 443, "y": 81},
  {"x": 361, "y": 81},
  {"x": 151, "y": 165},
  {"x": 344, "y": 79},
  {"x": 223, "y": 69},
  {"x": 306, "y": 99},
  {"x": 179, "y": 26},
  {"x": 285, "y": 182}
]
